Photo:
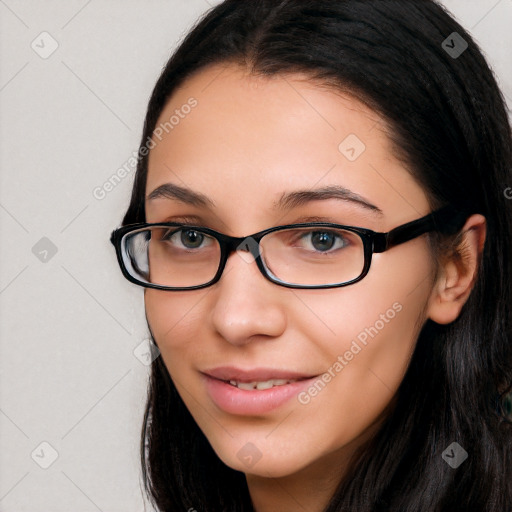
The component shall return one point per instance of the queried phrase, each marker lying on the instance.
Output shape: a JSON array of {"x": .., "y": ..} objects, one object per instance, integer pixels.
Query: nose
[{"x": 247, "y": 305}]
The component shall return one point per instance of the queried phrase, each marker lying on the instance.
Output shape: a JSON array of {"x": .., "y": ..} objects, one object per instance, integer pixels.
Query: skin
[{"x": 247, "y": 142}]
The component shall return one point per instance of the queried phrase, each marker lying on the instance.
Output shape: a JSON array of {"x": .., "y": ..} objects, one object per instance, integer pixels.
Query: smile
[
  {"x": 253, "y": 392},
  {"x": 267, "y": 384}
]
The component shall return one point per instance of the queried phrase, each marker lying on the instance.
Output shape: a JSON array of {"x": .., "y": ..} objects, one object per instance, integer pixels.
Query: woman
[{"x": 321, "y": 223}]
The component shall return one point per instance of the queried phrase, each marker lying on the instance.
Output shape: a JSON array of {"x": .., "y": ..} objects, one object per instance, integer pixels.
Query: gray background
[{"x": 71, "y": 327}]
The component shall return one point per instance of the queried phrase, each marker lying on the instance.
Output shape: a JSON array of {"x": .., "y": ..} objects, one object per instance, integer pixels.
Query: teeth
[
  {"x": 246, "y": 385},
  {"x": 260, "y": 385}
]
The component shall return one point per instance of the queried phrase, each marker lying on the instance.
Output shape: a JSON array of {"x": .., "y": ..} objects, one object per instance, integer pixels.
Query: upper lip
[{"x": 228, "y": 373}]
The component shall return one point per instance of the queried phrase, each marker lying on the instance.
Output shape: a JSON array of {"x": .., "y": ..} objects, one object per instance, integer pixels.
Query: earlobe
[{"x": 458, "y": 273}]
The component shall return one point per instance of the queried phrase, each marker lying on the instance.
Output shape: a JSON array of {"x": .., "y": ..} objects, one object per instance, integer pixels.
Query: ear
[{"x": 457, "y": 273}]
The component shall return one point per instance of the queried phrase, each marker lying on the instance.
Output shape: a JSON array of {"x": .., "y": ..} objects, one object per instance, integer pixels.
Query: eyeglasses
[{"x": 177, "y": 256}]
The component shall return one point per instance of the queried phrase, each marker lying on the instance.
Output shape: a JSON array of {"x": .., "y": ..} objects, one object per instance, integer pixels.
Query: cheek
[
  {"x": 366, "y": 334},
  {"x": 380, "y": 313},
  {"x": 175, "y": 319},
  {"x": 363, "y": 370}
]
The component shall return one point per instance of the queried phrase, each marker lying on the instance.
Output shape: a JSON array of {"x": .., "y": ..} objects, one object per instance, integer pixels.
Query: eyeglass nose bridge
[{"x": 248, "y": 248}]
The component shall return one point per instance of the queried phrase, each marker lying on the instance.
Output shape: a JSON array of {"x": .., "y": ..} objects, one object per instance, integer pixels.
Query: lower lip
[{"x": 233, "y": 400}]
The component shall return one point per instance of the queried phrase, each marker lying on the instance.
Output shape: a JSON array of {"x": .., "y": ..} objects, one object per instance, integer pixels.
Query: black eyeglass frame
[{"x": 446, "y": 220}]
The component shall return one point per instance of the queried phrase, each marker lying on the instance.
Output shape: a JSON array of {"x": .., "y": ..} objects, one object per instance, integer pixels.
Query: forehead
[{"x": 243, "y": 140}]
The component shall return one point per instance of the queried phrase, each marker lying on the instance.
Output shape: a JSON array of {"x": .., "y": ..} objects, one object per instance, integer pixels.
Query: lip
[
  {"x": 237, "y": 401},
  {"x": 228, "y": 373}
]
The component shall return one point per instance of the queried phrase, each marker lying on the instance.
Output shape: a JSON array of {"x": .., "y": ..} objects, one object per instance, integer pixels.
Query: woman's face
[{"x": 243, "y": 145}]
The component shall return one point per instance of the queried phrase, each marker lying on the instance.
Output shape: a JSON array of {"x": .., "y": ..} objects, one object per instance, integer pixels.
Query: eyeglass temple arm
[{"x": 446, "y": 220}]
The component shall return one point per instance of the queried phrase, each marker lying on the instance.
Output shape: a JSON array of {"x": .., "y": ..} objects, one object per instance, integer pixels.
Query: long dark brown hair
[{"x": 449, "y": 124}]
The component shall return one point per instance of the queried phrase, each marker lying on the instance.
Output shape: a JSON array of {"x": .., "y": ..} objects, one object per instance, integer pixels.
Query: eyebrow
[
  {"x": 183, "y": 194},
  {"x": 287, "y": 200},
  {"x": 300, "y": 197}
]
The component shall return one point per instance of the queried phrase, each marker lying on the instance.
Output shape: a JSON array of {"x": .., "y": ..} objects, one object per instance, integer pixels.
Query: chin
[
  {"x": 269, "y": 468},
  {"x": 264, "y": 460}
]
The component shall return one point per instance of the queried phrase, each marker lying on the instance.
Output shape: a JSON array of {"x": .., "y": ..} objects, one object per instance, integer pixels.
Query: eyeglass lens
[{"x": 183, "y": 257}]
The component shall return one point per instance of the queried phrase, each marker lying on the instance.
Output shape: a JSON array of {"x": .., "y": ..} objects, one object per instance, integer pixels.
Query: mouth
[
  {"x": 260, "y": 385},
  {"x": 256, "y": 375},
  {"x": 255, "y": 391}
]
